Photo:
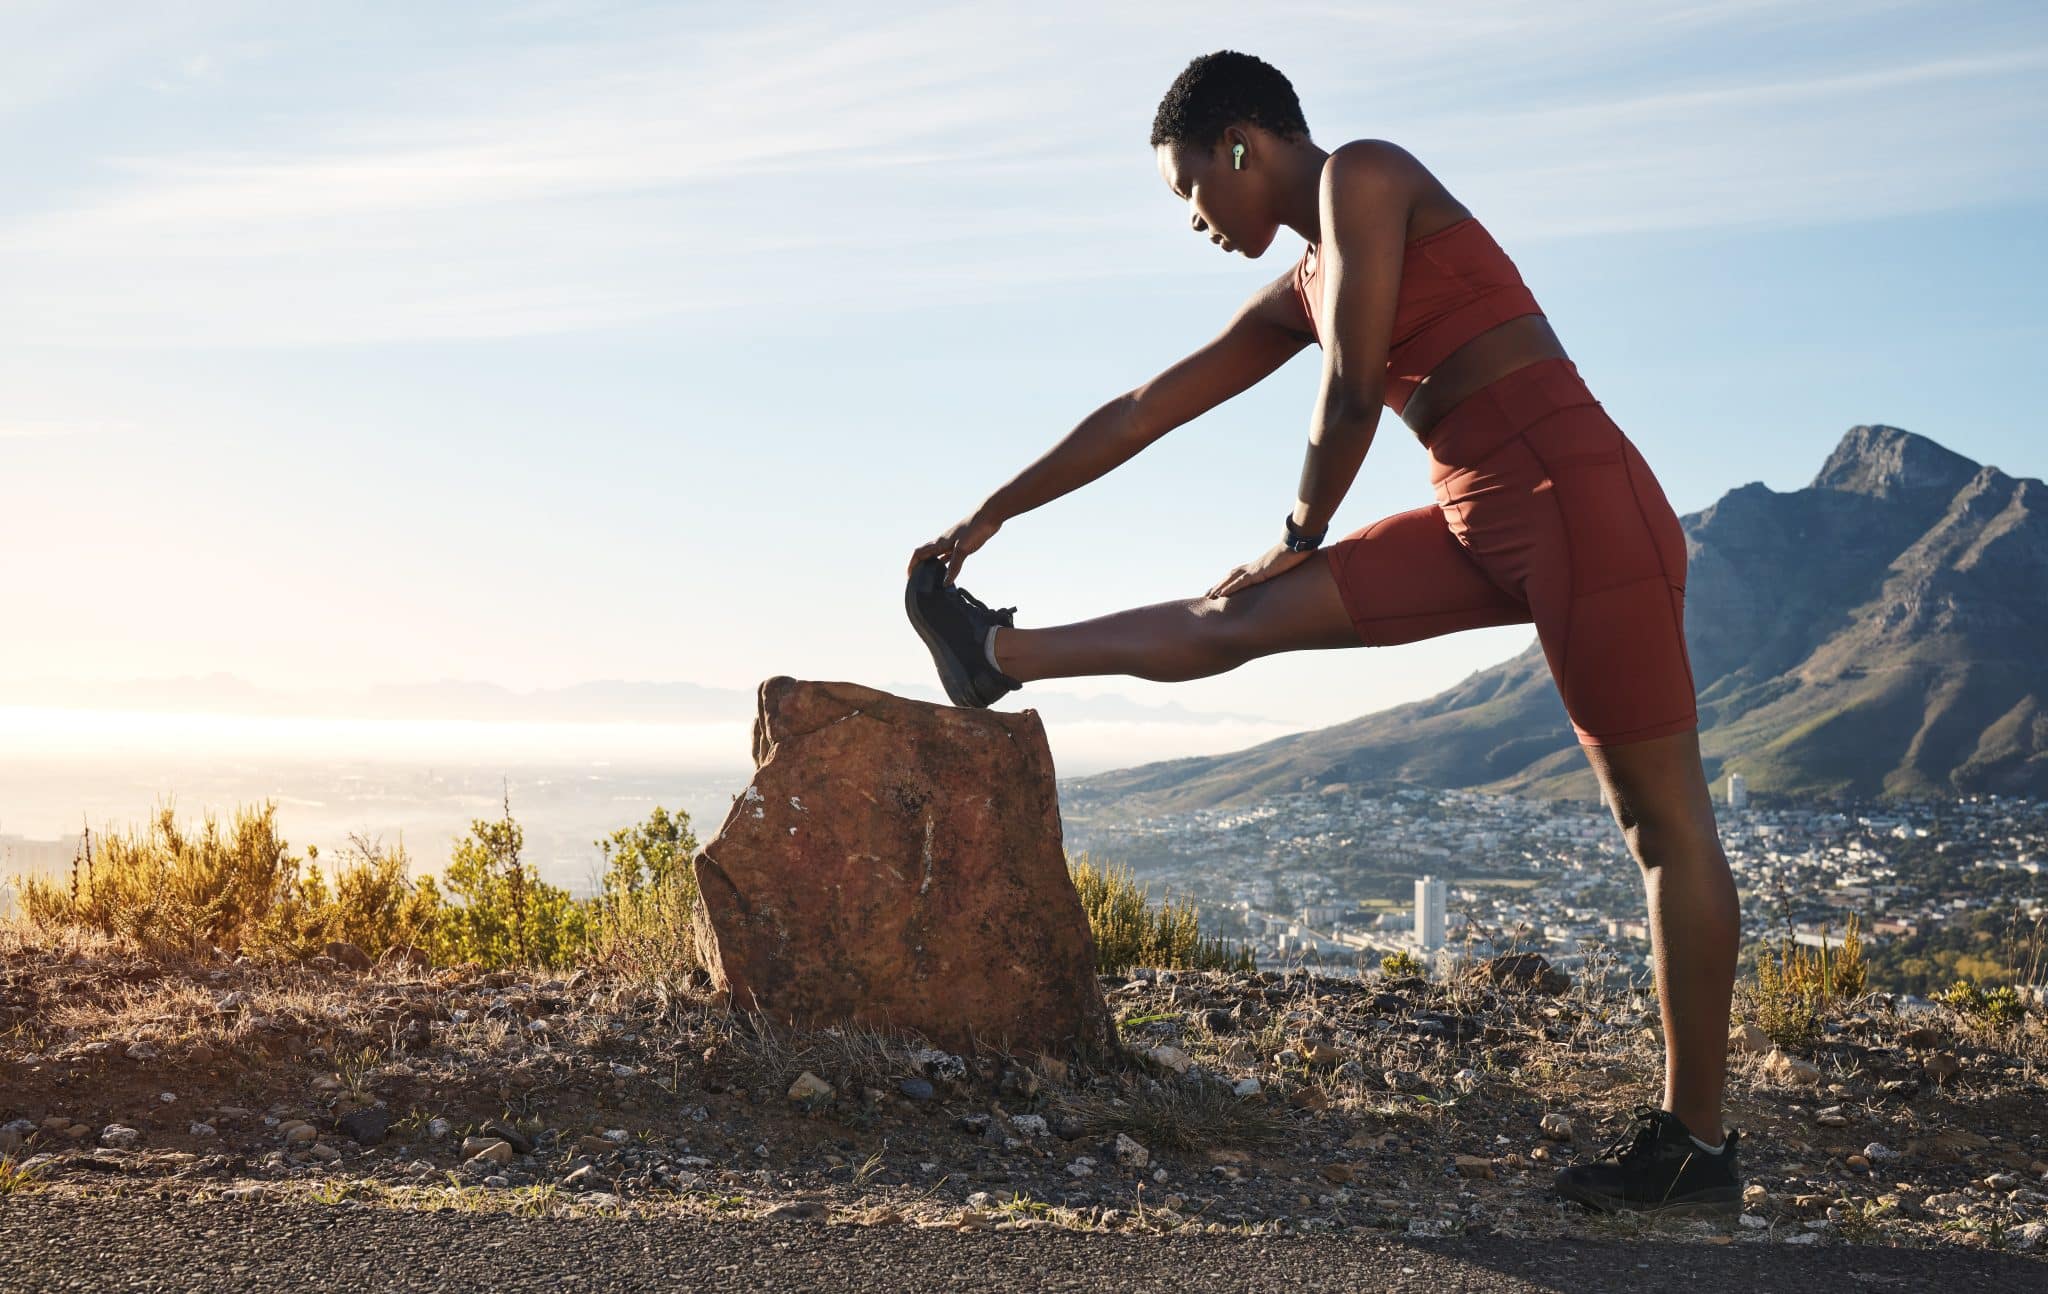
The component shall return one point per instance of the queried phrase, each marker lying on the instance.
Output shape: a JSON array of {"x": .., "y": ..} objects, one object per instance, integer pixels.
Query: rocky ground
[{"x": 1257, "y": 1104}]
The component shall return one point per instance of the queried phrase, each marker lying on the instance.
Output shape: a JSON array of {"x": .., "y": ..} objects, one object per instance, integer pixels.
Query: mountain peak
[{"x": 1889, "y": 461}]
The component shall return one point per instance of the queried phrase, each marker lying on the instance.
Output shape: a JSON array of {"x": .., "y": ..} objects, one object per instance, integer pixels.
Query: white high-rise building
[
  {"x": 1738, "y": 792},
  {"x": 1429, "y": 913}
]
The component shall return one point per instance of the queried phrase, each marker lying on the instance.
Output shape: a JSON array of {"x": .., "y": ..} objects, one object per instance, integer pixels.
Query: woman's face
[{"x": 1223, "y": 203}]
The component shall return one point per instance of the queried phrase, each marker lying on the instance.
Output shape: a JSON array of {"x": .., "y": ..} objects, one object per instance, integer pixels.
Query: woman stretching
[{"x": 1545, "y": 513}]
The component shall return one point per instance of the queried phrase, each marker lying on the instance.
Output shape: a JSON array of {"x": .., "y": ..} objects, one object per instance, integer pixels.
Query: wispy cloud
[{"x": 660, "y": 168}]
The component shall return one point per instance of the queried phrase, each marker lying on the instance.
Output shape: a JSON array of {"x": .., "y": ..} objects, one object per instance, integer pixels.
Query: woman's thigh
[{"x": 1400, "y": 579}]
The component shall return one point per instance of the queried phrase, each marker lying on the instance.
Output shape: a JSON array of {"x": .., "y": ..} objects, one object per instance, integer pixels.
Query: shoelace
[
  {"x": 1638, "y": 1138},
  {"x": 979, "y": 605}
]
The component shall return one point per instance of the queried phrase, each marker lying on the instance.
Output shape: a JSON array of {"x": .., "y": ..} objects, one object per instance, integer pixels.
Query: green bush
[
  {"x": 496, "y": 909},
  {"x": 173, "y": 890},
  {"x": 643, "y": 912},
  {"x": 1401, "y": 964},
  {"x": 1129, "y": 931}
]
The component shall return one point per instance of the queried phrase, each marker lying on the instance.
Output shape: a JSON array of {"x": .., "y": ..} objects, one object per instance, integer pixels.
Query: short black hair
[{"x": 1223, "y": 89}]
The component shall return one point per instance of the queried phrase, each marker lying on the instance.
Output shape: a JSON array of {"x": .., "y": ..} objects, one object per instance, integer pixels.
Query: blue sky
[{"x": 540, "y": 343}]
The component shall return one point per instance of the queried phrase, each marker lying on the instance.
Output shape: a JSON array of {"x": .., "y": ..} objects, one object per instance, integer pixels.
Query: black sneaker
[
  {"x": 954, "y": 624},
  {"x": 1655, "y": 1167}
]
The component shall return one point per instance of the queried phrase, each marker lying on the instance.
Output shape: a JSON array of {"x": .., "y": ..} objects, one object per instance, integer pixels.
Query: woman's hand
[
  {"x": 961, "y": 539},
  {"x": 1278, "y": 558}
]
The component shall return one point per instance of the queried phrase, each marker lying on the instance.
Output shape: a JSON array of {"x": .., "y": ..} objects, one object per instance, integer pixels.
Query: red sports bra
[{"x": 1455, "y": 284}]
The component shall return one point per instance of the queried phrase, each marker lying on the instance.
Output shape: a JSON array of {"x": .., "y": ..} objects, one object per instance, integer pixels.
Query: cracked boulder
[{"x": 898, "y": 864}]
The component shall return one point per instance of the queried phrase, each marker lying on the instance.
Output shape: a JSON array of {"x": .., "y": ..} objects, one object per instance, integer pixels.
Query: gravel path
[{"x": 49, "y": 1243}]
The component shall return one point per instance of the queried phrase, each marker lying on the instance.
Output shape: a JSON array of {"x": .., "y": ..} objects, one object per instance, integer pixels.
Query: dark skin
[{"x": 1359, "y": 205}]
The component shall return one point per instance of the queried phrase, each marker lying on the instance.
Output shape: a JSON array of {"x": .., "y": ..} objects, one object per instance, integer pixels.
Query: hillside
[{"x": 1876, "y": 632}]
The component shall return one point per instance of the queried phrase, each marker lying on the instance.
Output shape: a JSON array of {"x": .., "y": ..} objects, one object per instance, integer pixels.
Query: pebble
[
  {"x": 1858, "y": 1163},
  {"x": 1556, "y": 1127},
  {"x": 1130, "y": 1154},
  {"x": 809, "y": 1087},
  {"x": 298, "y": 1133},
  {"x": 917, "y": 1089},
  {"x": 1474, "y": 1166},
  {"x": 1246, "y": 1087},
  {"x": 1172, "y": 1058},
  {"x": 1791, "y": 1070},
  {"x": 491, "y": 1150},
  {"x": 1082, "y": 1167},
  {"x": 1748, "y": 1040},
  {"x": 1832, "y": 1117},
  {"x": 322, "y": 1151},
  {"x": 202, "y": 1130},
  {"x": 439, "y": 1128},
  {"x": 118, "y": 1137},
  {"x": 1030, "y": 1125},
  {"x": 143, "y": 1051}
]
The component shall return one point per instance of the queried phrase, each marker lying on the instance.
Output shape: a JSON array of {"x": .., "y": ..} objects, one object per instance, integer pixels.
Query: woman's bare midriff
[{"x": 1495, "y": 353}]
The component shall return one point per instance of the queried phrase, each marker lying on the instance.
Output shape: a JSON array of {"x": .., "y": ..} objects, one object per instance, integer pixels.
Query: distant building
[
  {"x": 1429, "y": 913},
  {"x": 1738, "y": 792}
]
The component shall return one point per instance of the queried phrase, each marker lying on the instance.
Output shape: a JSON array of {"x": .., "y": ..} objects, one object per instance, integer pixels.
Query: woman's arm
[
  {"x": 1260, "y": 337},
  {"x": 1368, "y": 188}
]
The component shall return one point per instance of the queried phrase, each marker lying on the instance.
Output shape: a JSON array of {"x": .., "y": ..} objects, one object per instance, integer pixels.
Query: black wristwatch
[{"x": 1300, "y": 543}]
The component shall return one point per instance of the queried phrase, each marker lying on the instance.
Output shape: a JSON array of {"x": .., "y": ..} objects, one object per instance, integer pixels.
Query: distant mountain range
[
  {"x": 607, "y": 701},
  {"x": 1882, "y": 631}
]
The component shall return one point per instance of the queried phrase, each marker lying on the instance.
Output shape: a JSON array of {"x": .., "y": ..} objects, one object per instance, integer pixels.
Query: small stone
[
  {"x": 322, "y": 1151},
  {"x": 594, "y": 1146},
  {"x": 809, "y": 1087},
  {"x": 1556, "y": 1127},
  {"x": 202, "y": 1130},
  {"x": 1337, "y": 1174},
  {"x": 1130, "y": 1154},
  {"x": 167, "y": 1098},
  {"x": 1791, "y": 1070},
  {"x": 493, "y": 1150},
  {"x": 1405, "y": 1080},
  {"x": 365, "y": 1127},
  {"x": 1946, "y": 1202},
  {"x": 586, "y": 1178},
  {"x": 1877, "y": 1150},
  {"x": 1754, "y": 1194},
  {"x": 1747, "y": 1039},
  {"x": 1857, "y": 1163},
  {"x": 797, "y": 1211},
  {"x": 298, "y": 1133},
  {"x": 1029, "y": 1125},
  {"x": 439, "y": 1128},
  {"x": 1172, "y": 1058},
  {"x": 917, "y": 1089},
  {"x": 143, "y": 1051},
  {"x": 1245, "y": 1087},
  {"x": 1474, "y": 1166},
  {"x": 1081, "y": 1167},
  {"x": 1832, "y": 1117},
  {"x": 118, "y": 1137}
]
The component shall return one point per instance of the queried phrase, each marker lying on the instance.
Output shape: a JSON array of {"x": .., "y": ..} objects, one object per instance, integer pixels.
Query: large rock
[{"x": 898, "y": 864}]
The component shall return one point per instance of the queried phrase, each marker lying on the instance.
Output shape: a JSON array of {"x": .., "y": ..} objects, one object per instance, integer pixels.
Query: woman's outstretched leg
[
  {"x": 1401, "y": 579},
  {"x": 1660, "y": 797},
  {"x": 1298, "y": 609}
]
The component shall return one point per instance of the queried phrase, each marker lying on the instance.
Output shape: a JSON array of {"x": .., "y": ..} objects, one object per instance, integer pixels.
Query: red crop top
[{"x": 1455, "y": 284}]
